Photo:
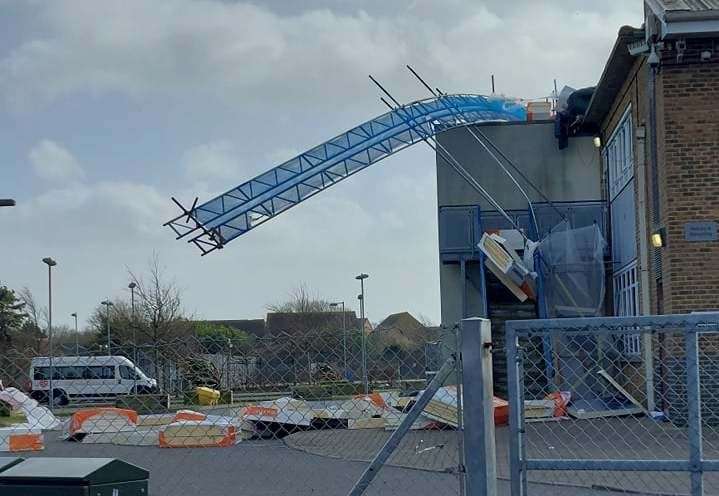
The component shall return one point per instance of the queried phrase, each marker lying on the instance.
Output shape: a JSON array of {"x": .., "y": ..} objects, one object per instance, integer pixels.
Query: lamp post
[
  {"x": 108, "y": 304},
  {"x": 50, "y": 264},
  {"x": 132, "y": 287},
  {"x": 361, "y": 278},
  {"x": 344, "y": 335},
  {"x": 77, "y": 336}
]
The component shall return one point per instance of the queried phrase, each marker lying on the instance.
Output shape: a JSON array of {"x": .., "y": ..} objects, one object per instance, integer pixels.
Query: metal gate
[{"x": 589, "y": 411}]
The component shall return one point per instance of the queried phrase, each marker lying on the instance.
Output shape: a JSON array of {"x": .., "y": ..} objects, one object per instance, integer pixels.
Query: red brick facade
[
  {"x": 688, "y": 156},
  {"x": 688, "y": 114}
]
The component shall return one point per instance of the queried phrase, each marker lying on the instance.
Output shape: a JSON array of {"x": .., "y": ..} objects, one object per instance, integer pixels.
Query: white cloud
[
  {"x": 216, "y": 160},
  {"x": 52, "y": 162}
]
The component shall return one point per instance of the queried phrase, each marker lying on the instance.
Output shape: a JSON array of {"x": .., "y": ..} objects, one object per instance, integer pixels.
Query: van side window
[
  {"x": 127, "y": 373},
  {"x": 41, "y": 373},
  {"x": 71, "y": 373},
  {"x": 98, "y": 372}
]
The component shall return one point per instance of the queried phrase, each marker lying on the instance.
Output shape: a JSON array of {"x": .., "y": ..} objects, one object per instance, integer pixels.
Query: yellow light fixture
[
  {"x": 659, "y": 238},
  {"x": 597, "y": 142}
]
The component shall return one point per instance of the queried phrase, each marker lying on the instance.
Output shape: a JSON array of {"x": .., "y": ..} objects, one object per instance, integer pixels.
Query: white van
[{"x": 88, "y": 378}]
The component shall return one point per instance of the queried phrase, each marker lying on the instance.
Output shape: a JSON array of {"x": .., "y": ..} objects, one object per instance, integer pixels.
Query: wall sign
[{"x": 701, "y": 231}]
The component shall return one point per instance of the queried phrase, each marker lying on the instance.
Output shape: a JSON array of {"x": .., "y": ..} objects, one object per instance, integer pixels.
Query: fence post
[
  {"x": 694, "y": 412},
  {"x": 514, "y": 386},
  {"x": 480, "y": 462}
]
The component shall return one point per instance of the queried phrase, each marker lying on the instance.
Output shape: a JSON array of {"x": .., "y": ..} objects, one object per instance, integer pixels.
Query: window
[
  {"x": 626, "y": 303},
  {"x": 99, "y": 372},
  {"x": 618, "y": 155},
  {"x": 41, "y": 373},
  {"x": 127, "y": 373},
  {"x": 71, "y": 373}
]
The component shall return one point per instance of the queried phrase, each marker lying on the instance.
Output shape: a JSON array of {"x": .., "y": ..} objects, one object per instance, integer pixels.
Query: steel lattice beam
[{"x": 214, "y": 223}]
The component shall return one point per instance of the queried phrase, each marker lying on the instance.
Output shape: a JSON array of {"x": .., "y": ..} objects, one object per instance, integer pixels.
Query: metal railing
[{"x": 586, "y": 412}]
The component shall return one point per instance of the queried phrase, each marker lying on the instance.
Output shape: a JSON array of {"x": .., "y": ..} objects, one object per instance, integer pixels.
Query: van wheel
[
  {"x": 59, "y": 398},
  {"x": 142, "y": 390}
]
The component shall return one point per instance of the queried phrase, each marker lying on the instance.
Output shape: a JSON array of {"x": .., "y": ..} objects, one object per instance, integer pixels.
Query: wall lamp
[{"x": 659, "y": 238}]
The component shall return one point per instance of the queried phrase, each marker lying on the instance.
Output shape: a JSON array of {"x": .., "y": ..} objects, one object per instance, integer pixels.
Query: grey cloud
[{"x": 187, "y": 48}]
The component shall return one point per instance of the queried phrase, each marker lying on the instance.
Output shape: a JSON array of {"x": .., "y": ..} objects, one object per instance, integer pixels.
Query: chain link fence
[
  {"x": 622, "y": 404},
  {"x": 284, "y": 414}
]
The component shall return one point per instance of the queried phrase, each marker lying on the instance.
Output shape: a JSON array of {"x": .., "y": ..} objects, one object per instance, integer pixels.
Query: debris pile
[
  {"x": 502, "y": 260},
  {"x": 26, "y": 436}
]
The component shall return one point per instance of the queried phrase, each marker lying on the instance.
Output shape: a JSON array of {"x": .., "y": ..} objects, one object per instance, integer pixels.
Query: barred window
[{"x": 626, "y": 304}]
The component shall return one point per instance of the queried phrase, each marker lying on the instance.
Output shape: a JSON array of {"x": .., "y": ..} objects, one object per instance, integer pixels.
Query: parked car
[{"x": 87, "y": 378}]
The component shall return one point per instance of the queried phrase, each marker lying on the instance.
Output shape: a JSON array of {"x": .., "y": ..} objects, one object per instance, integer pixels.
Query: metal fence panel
[{"x": 586, "y": 412}]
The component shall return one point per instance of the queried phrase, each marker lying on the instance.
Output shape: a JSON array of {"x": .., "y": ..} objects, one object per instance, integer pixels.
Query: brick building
[
  {"x": 655, "y": 112},
  {"x": 662, "y": 186}
]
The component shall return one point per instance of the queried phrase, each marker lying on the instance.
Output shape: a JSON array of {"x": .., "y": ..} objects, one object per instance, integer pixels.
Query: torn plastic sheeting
[
  {"x": 572, "y": 268},
  {"x": 36, "y": 416}
]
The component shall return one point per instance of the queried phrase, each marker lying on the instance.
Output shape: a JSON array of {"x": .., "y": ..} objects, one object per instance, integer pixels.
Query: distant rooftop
[{"x": 255, "y": 327}]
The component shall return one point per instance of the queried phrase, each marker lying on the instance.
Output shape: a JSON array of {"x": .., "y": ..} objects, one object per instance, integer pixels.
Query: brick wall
[{"x": 688, "y": 111}]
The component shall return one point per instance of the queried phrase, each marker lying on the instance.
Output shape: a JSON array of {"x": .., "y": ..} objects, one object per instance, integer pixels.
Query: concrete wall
[
  {"x": 563, "y": 175},
  {"x": 572, "y": 174}
]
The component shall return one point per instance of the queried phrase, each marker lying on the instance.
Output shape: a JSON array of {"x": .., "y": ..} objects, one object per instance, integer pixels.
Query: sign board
[{"x": 701, "y": 231}]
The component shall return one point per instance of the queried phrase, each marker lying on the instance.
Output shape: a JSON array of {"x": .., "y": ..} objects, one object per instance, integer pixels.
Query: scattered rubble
[{"x": 26, "y": 436}]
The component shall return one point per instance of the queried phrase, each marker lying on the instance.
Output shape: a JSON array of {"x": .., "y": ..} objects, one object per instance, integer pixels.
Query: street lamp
[
  {"x": 132, "y": 287},
  {"x": 6, "y": 202},
  {"x": 361, "y": 278},
  {"x": 344, "y": 334},
  {"x": 77, "y": 336},
  {"x": 50, "y": 264},
  {"x": 108, "y": 304}
]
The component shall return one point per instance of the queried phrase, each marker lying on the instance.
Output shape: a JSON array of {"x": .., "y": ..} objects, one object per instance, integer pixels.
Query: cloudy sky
[{"x": 109, "y": 108}]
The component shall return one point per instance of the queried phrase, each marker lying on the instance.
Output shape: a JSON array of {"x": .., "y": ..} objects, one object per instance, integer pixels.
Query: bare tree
[
  {"x": 301, "y": 300},
  {"x": 425, "y": 321},
  {"x": 159, "y": 312},
  {"x": 37, "y": 314}
]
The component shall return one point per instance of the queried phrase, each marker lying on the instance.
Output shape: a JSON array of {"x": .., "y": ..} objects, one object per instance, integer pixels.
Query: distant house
[
  {"x": 254, "y": 327},
  {"x": 295, "y": 322},
  {"x": 404, "y": 331}
]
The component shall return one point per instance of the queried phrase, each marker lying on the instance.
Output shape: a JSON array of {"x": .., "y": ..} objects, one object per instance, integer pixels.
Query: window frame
[
  {"x": 618, "y": 154},
  {"x": 625, "y": 285}
]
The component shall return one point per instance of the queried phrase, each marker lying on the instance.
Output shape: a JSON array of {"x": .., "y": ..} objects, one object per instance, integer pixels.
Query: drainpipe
[
  {"x": 653, "y": 61},
  {"x": 645, "y": 304}
]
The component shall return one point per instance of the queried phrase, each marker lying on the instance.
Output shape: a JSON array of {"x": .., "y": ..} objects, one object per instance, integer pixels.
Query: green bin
[{"x": 41, "y": 476}]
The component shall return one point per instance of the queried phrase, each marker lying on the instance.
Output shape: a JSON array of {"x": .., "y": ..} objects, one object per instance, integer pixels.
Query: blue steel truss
[{"x": 218, "y": 221}]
